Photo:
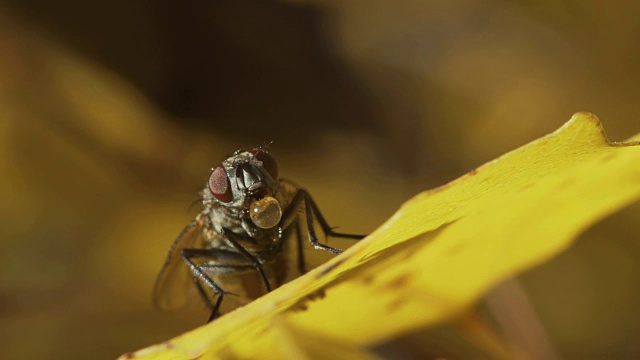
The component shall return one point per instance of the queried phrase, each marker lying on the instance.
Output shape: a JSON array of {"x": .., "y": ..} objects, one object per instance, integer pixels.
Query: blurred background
[{"x": 113, "y": 112}]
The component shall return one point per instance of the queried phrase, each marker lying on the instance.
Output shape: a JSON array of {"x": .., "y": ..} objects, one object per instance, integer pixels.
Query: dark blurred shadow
[{"x": 256, "y": 70}]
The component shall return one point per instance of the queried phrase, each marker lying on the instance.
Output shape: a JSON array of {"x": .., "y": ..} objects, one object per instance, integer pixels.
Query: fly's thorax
[{"x": 222, "y": 219}]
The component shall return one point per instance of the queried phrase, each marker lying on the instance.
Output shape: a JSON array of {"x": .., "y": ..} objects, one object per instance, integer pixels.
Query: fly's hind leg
[{"x": 203, "y": 262}]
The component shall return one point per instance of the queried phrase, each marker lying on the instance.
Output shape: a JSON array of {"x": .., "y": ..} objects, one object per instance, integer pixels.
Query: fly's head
[{"x": 245, "y": 184}]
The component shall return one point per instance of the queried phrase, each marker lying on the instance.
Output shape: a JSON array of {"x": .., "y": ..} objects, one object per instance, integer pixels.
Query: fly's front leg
[
  {"x": 221, "y": 261},
  {"x": 233, "y": 238},
  {"x": 313, "y": 238},
  {"x": 203, "y": 294},
  {"x": 311, "y": 209},
  {"x": 328, "y": 230}
]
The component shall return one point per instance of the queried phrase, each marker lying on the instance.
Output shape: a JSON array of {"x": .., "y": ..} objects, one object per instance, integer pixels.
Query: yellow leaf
[{"x": 437, "y": 255}]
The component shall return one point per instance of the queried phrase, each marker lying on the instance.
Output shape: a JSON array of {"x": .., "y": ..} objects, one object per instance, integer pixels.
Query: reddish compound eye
[
  {"x": 219, "y": 185},
  {"x": 268, "y": 162}
]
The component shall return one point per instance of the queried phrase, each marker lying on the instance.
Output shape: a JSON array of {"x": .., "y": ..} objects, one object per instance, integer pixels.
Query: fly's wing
[{"x": 175, "y": 279}]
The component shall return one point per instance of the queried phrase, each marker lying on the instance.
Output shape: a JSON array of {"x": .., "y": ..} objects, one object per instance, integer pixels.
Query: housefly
[{"x": 235, "y": 247}]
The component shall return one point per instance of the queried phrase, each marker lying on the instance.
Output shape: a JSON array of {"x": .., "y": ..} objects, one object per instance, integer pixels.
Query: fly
[{"x": 235, "y": 245}]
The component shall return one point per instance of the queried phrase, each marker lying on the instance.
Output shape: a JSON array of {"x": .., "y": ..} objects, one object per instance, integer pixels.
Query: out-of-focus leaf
[{"x": 437, "y": 255}]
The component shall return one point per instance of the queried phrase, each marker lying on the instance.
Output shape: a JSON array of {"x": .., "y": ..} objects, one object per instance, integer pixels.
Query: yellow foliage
[{"x": 436, "y": 256}]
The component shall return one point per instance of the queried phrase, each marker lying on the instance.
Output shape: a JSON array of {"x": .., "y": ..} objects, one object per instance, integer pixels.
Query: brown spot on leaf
[
  {"x": 610, "y": 156},
  {"x": 318, "y": 294},
  {"x": 455, "y": 249},
  {"x": 299, "y": 306},
  {"x": 367, "y": 279},
  {"x": 331, "y": 267},
  {"x": 396, "y": 303},
  {"x": 399, "y": 282},
  {"x": 302, "y": 304}
]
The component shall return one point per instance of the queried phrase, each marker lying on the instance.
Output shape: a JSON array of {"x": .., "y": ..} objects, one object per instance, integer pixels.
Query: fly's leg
[
  {"x": 301, "y": 261},
  {"x": 313, "y": 238},
  {"x": 199, "y": 275},
  {"x": 225, "y": 262},
  {"x": 233, "y": 239},
  {"x": 328, "y": 230},
  {"x": 203, "y": 294},
  {"x": 311, "y": 209},
  {"x": 302, "y": 269}
]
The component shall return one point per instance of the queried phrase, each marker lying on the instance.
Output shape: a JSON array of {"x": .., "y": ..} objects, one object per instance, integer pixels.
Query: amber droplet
[{"x": 266, "y": 212}]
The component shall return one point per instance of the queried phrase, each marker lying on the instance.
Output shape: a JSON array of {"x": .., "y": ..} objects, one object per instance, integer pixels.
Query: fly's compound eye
[
  {"x": 266, "y": 212},
  {"x": 268, "y": 162},
  {"x": 219, "y": 185}
]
